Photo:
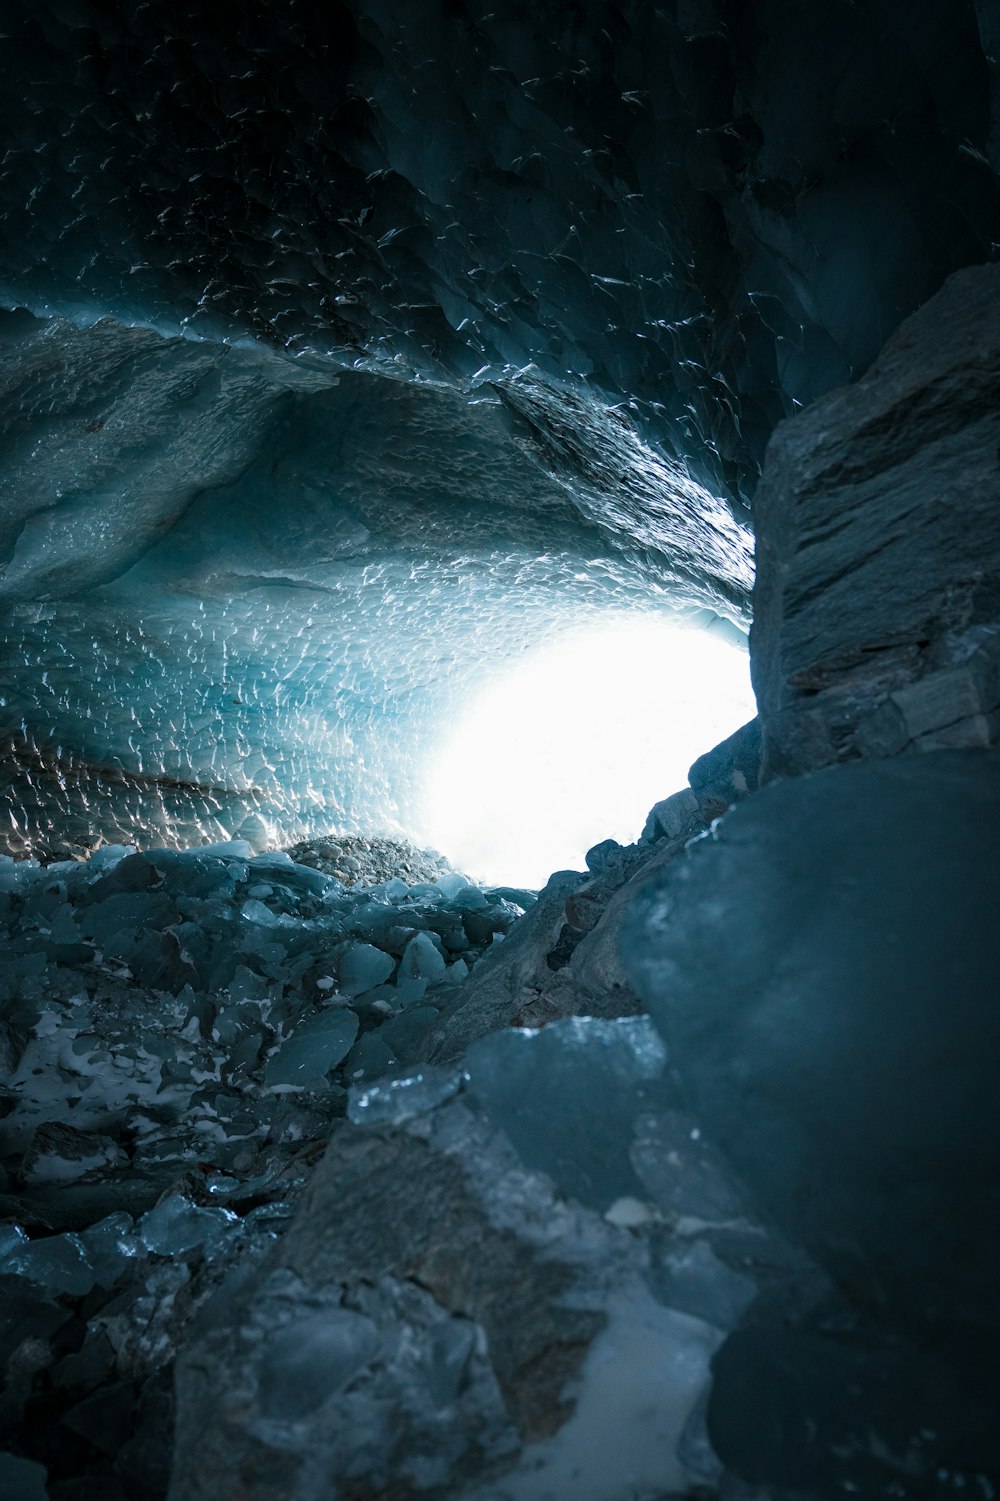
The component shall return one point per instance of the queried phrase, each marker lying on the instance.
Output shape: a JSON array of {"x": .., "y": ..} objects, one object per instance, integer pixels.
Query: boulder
[{"x": 823, "y": 972}]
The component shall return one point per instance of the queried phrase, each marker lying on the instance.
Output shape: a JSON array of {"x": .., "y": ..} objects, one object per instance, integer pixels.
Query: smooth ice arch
[{"x": 574, "y": 743}]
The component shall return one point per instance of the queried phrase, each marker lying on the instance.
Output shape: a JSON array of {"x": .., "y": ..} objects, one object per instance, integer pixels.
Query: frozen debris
[
  {"x": 178, "y": 1031},
  {"x": 356, "y": 861},
  {"x": 487, "y": 1334},
  {"x": 146, "y": 1000},
  {"x": 312, "y": 1050},
  {"x": 422, "y": 960},
  {"x": 176, "y": 1226},
  {"x": 394, "y": 1100},
  {"x": 361, "y": 967}
]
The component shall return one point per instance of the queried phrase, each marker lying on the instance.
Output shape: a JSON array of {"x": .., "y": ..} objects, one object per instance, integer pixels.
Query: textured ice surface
[
  {"x": 257, "y": 619},
  {"x": 712, "y": 215}
]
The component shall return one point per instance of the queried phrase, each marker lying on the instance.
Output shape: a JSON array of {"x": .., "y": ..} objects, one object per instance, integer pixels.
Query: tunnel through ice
[
  {"x": 245, "y": 592},
  {"x": 402, "y": 401}
]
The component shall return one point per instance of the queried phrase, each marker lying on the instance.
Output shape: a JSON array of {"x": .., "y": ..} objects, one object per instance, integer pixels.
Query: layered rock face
[{"x": 877, "y": 602}]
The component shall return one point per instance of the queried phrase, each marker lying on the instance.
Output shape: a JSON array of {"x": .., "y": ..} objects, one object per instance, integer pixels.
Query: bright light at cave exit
[{"x": 577, "y": 741}]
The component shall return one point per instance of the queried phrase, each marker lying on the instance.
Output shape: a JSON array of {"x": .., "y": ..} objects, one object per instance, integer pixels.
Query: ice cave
[{"x": 500, "y": 750}]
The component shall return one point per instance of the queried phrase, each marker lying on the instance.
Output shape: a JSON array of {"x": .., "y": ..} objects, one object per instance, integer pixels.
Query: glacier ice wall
[
  {"x": 351, "y": 349},
  {"x": 241, "y": 595}
]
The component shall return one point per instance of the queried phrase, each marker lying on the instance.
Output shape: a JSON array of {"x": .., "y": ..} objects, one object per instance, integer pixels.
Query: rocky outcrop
[
  {"x": 877, "y": 603},
  {"x": 823, "y": 967},
  {"x": 824, "y": 973},
  {"x": 563, "y": 959},
  {"x": 728, "y": 772}
]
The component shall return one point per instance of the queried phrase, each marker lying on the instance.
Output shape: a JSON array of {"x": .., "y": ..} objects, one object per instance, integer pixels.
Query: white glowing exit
[{"x": 575, "y": 741}]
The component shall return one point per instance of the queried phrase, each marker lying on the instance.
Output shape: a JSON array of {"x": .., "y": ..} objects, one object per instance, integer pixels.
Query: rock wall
[
  {"x": 877, "y": 602},
  {"x": 822, "y": 966}
]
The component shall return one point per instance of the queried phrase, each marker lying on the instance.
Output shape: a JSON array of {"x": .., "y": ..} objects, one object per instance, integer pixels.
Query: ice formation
[{"x": 353, "y": 355}]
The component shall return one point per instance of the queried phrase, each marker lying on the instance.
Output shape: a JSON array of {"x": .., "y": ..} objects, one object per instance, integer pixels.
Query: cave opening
[{"x": 575, "y": 742}]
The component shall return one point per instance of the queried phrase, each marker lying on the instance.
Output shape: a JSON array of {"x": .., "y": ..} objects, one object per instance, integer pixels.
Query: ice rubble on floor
[
  {"x": 178, "y": 1032},
  {"x": 165, "y": 1004},
  {"x": 183, "y": 1034}
]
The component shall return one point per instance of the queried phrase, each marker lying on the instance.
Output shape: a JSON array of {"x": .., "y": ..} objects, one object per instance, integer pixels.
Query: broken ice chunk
[
  {"x": 422, "y": 960},
  {"x": 254, "y": 911},
  {"x": 58, "y": 1263},
  {"x": 316, "y": 1045},
  {"x": 683, "y": 1172},
  {"x": 568, "y": 1098},
  {"x": 112, "y": 1245},
  {"x": 401, "y": 1098},
  {"x": 694, "y": 1280},
  {"x": 229, "y": 849},
  {"x": 408, "y": 1029},
  {"x": 452, "y": 884},
  {"x": 408, "y": 992},
  {"x": 12, "y": 1237},
  {"x": 361, "y": 966},
  {"x": 109, "y": 855},
  {"x": 311, "y": 1360},
  {"x": 369, "y": 1058},
  {"x": 22, "y": 1479},
  {"x": 450, "y": 1345},
  {"x": 175, "y": 1226}
]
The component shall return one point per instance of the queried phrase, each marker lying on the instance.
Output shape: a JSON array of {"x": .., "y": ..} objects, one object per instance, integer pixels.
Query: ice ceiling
[{"x": 351, "y": 351}]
